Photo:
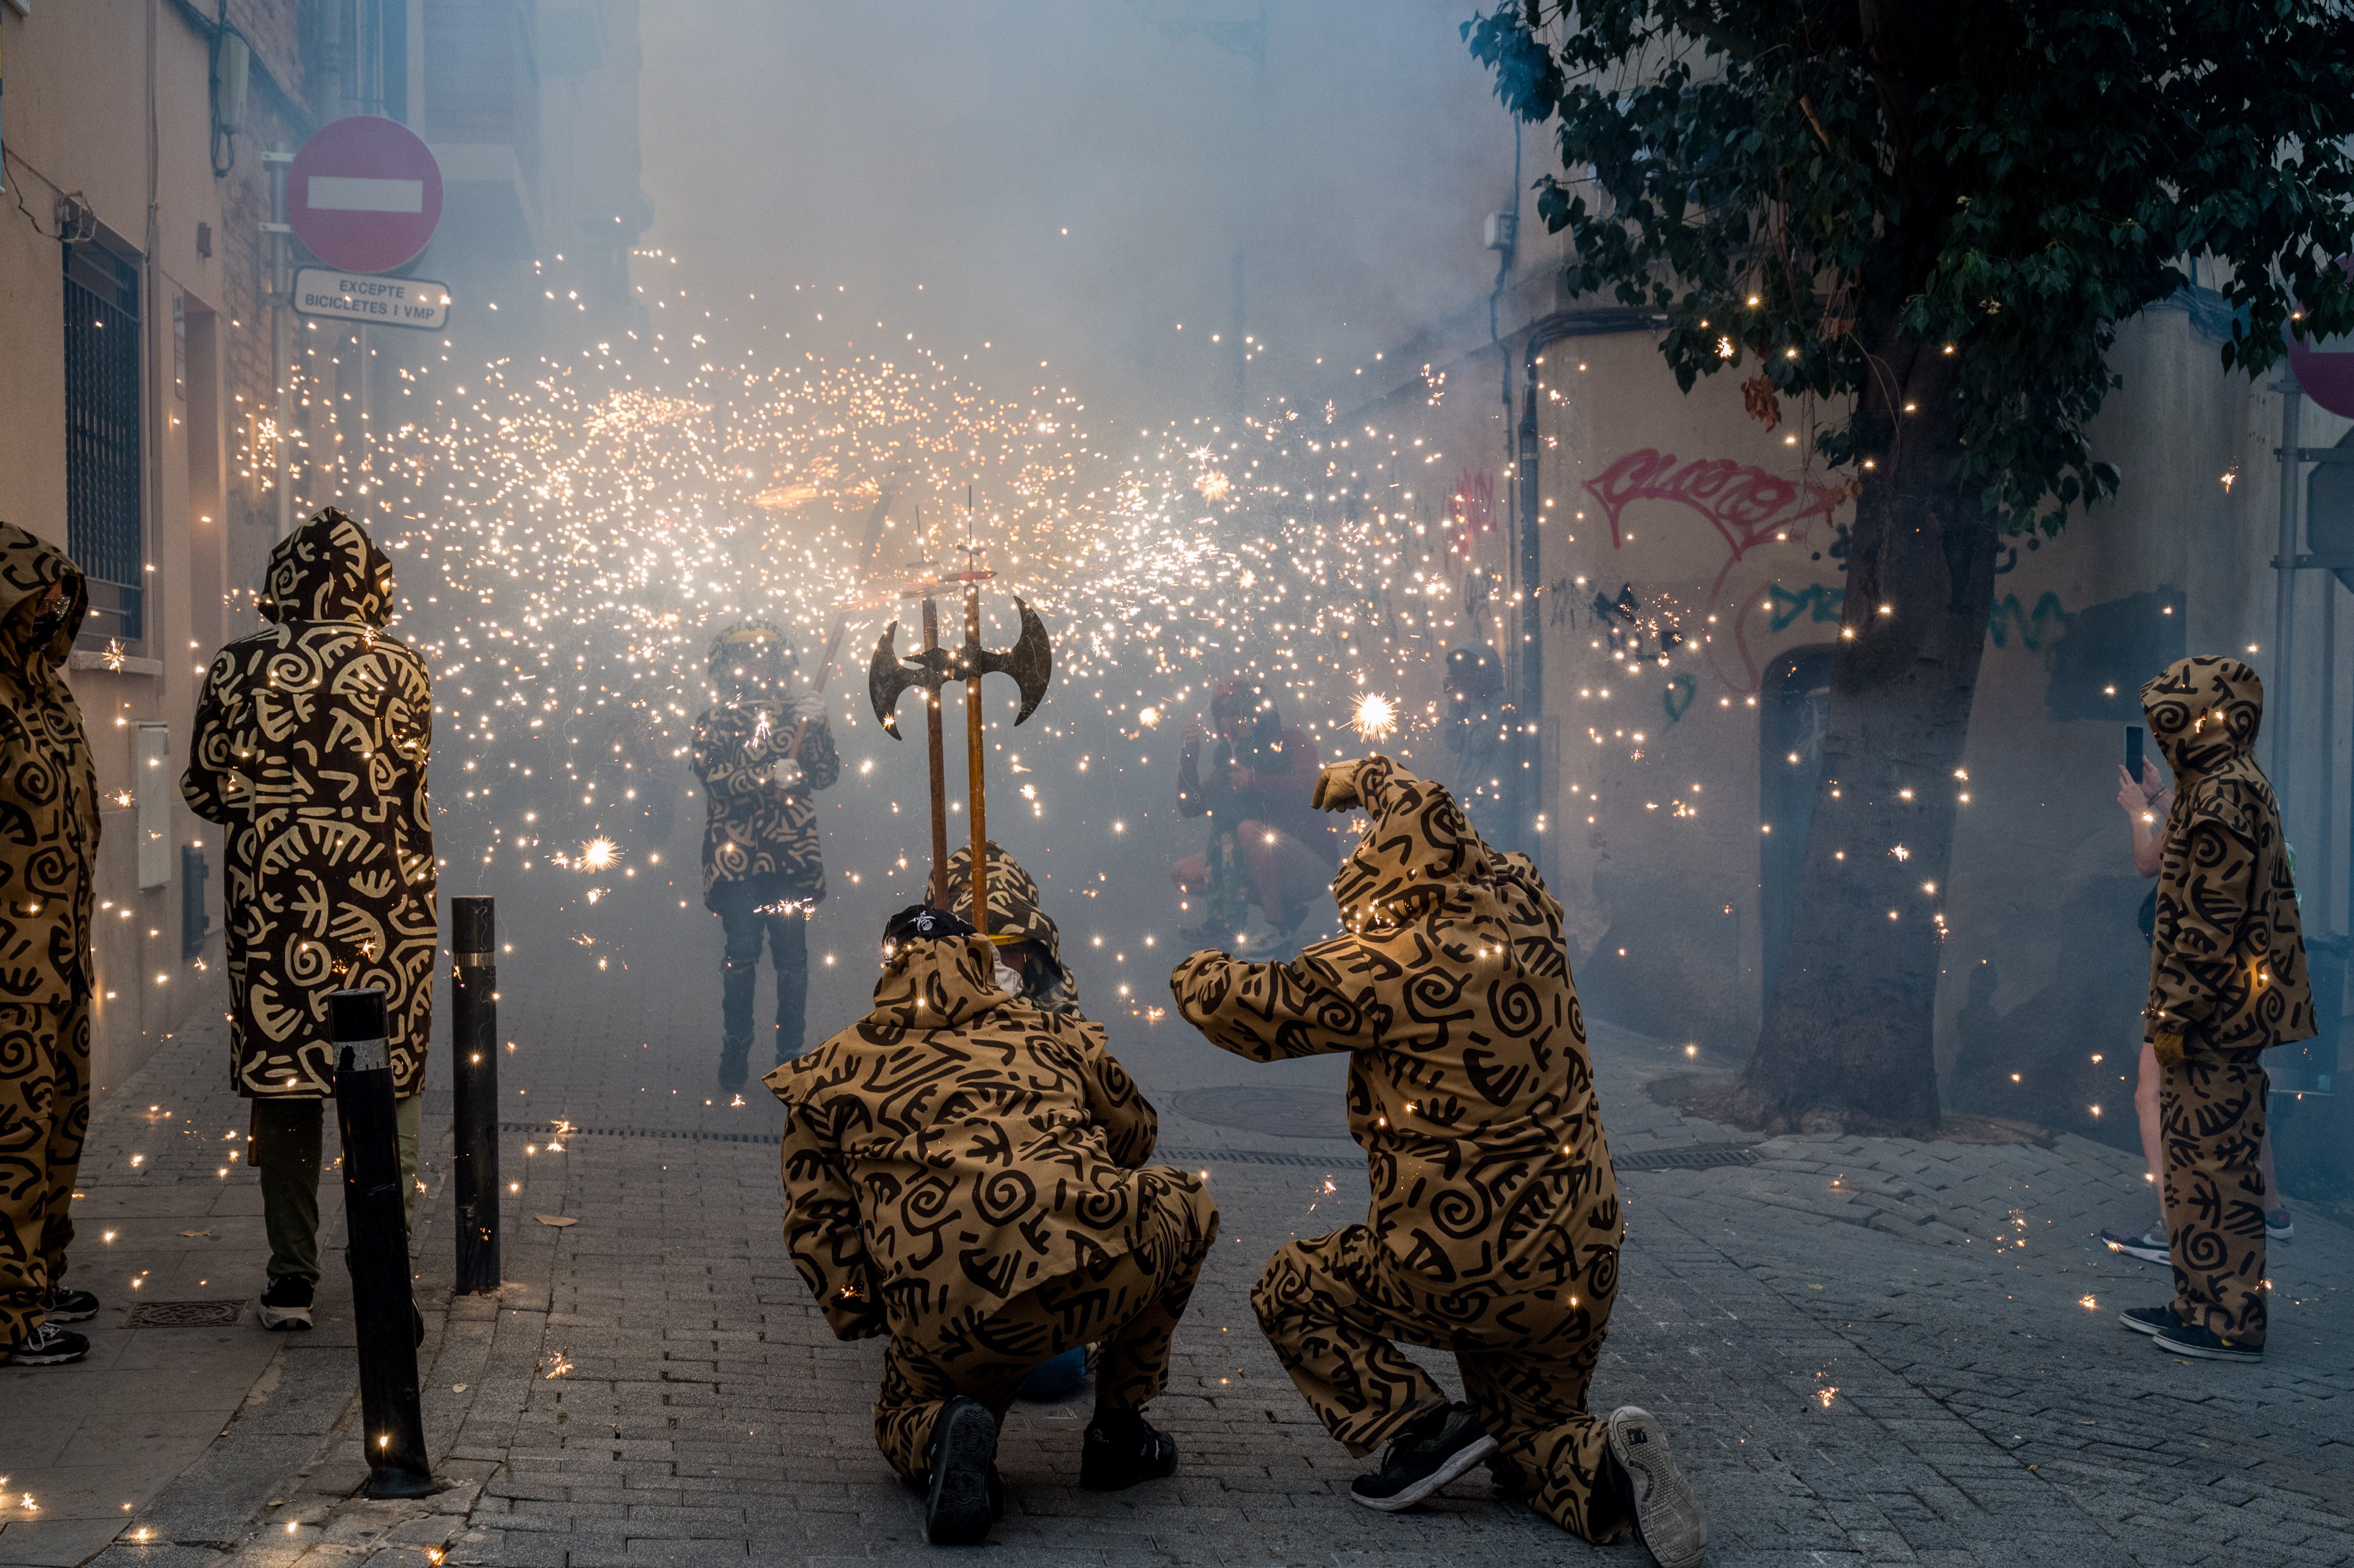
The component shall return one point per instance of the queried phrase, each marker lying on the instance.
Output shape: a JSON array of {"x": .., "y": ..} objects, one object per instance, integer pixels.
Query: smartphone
[{"x": 2133, "y": 751}]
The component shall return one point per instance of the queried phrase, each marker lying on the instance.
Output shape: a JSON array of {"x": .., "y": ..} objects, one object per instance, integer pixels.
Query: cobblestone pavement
[{"x": 1865, "y": 1351}]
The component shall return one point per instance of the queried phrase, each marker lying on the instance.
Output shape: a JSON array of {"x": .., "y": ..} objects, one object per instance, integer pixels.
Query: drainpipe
[{"x": 2277, "y": 699}]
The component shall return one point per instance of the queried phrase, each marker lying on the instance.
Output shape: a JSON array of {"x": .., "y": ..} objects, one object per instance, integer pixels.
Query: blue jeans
[{"x": 747, "y": 912}]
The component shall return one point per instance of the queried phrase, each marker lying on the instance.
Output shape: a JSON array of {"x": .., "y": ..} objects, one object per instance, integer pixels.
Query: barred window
[{"x": 102, "y": 439}]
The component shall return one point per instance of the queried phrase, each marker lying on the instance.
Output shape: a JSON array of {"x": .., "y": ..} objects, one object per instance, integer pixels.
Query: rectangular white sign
[
  {"x": 344, "y": 193},
  {"x": 382, "y": 301}
]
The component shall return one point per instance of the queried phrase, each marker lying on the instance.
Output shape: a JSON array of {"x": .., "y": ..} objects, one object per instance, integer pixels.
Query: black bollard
[
  {"x": 392, "y": 1425},
  {"x": 474, "y": 1001}
]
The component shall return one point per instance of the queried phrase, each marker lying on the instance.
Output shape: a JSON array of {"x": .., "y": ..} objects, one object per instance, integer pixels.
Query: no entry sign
[{"x": 364, "y": 193}]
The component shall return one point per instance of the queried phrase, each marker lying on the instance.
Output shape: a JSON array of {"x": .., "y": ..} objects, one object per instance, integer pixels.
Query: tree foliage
[{"x": 1803, "y": 184}]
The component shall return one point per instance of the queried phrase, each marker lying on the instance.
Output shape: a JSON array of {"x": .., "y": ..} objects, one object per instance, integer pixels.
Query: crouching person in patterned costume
[
  {"x": 1495, "y": 1229},
  {"x": 48, "y": 805},
  {"x": 966, "y": 1172},
  {"x": 2227, "y": 982},
  {"x": 312, "y": 738},
  {"x": 761, "y": 751}
]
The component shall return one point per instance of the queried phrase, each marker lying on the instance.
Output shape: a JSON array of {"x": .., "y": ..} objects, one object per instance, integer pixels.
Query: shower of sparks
[
  {"x": 598, "y": 854},
  {"x": 1376, "y": 716}
]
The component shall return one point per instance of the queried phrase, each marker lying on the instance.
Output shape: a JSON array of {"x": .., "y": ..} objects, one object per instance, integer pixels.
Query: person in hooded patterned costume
[
  {"x": 762, "y": 873},
  {"x": 2227, "y": 982},
  {"x": 965, "y": 1171},
  {"x": 50, "y": 810},
  {"x": 1029, "y": 946},
  {"x": 312, "y": 738},
  {"x": 1495, "y": 1228}
]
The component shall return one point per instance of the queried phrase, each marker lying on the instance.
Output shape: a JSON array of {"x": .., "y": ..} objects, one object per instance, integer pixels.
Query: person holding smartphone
[{"x": 2147, "y": 799}]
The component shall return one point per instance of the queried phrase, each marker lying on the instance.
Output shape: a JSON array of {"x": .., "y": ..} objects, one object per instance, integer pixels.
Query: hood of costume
[
  {"x": 1470, "y": 1088},
  {"x": 1018, "y": 917},
  {"x": 759, "y": 824},
  {"x": 956, "y": 1148},
  {"x": 310, "y": 745},
  {"x": 2227, "y": 956},
  {"x": 49, "y": 810}
]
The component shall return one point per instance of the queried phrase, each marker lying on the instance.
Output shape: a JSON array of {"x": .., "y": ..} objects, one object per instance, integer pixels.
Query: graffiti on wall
[{"x": 1749, "y": 508}]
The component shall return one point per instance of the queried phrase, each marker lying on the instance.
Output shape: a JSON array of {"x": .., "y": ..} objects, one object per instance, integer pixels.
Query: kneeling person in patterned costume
[
  {"x": 2227, "y": 982},
  {"x": 1495, "y": 1228},
  {"x": 966, "y": 1172}
]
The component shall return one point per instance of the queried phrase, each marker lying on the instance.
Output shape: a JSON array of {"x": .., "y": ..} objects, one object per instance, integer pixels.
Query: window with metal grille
[{"x": 102, "y": 439}]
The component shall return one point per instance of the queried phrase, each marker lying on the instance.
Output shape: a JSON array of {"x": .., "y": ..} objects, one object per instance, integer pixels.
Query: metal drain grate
[
  {"x": 1703, "y": 1158},
  {"x": 687, "y": 1135},
  {"x": 186, "y": 1315},
  {"x": 1253, "y": 1157}
]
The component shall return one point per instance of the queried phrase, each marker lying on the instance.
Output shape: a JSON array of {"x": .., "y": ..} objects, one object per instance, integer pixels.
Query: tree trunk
[{"x": 1848, "y": 1042}]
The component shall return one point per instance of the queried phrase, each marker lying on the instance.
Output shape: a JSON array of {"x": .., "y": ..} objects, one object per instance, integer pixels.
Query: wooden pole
[
  {"x": 940, "y": 765},
  {"x": 974, "y": 795}
]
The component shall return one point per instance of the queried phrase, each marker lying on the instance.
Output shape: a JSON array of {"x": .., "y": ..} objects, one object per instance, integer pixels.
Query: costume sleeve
[
  {"x": 2206, "y": 890},
  {"x": 1130, "y": 1125},
  {"x": 820, "y": 759},
  {"x": 1193, "y": 800},
  {"x": 822, "y": 1228},
  {"x": 212, "y": 785},
  {"x": 1266, "y": 1012},
  {"x": 42, "y": 930}
]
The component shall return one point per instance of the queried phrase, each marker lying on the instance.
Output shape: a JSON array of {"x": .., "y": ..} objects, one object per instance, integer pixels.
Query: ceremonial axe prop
[{"x": 1031, "y": 662}]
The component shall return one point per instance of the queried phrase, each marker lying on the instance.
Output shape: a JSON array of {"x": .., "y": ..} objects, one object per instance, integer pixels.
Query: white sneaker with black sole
[
  {"x": 1667, "y": 1520},
  {"x": 2150, "y": 1246},
  {"x": 1433, "y": 1450}
]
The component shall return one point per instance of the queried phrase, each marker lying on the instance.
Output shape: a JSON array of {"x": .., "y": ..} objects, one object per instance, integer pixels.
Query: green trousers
[{"x": 285, "y": 1148}]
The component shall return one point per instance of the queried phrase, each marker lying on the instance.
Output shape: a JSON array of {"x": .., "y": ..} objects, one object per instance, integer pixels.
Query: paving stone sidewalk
[{"x": 1865, "y": 1351}]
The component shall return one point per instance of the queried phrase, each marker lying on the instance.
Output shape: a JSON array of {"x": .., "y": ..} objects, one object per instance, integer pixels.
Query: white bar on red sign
[{"x": 346, "y": 193}]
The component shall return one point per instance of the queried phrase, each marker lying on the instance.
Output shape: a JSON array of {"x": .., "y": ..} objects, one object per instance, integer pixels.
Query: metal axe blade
[{"x": 1031, "y": 660}]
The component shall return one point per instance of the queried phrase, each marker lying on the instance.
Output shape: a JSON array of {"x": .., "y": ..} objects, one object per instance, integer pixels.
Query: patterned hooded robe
[
  {"x": 756, "y": 828},
  {"x": 1469, "y": 1088},
  {"x": 956, "y": 1148},
  {"x": 48, "y": 841},
  {"x": 2227, "y": 956},
  {"x": 310, "y": 745},
  {"x": 1017, "y": 916}
]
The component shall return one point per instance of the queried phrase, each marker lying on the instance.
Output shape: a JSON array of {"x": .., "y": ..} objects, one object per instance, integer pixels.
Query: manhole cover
[
  {"x": 1280, "y": 1113},
  {"x": 184, "y": 1315}
]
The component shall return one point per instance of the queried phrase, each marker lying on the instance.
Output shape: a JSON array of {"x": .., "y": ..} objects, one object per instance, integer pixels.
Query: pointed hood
[
  {"x": 2204, "y": 712},
  {"x": 328, "y": 569},
  {"x": 29, "y": 566},
  {"x": 1017, "y": 914},
  {"x": 1417, "y": 851}
]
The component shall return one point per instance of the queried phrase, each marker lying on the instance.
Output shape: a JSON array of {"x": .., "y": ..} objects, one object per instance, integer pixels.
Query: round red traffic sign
[
  {"x": 364, "y": 193},
  {"x": 2325, "y": 369}
]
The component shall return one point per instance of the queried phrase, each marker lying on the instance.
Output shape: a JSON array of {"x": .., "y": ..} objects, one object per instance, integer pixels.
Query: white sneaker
[{"x": 1667, "y": 1520}]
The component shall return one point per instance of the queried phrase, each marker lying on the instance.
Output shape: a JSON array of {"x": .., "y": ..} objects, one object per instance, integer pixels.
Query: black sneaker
[
  {"x": 1118, "y": 1453},
  {"x": 1433, "y": 1450},
  {"x": 1639, "y": 1469},
  {"x": 2150, "y": 1246},
  {"x": 963, "y": 1500},
  {"x": 735, "y": 1066},
  {"x": 48, "y": 1346},
  {"x": 286, "y": 1305},
  {"x": 2189, "y": 1340},
  {"x": 70, "y": 1307},
  {"x": 2149, "y": 1320}
]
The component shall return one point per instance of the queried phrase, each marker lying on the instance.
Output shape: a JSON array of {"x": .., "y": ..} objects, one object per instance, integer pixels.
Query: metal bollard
[
  {"x": 474, "y": 1002},
  {"x": 392, "y": 1425}
]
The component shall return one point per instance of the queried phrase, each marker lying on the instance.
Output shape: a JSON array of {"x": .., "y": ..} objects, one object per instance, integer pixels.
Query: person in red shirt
[{"x": 1266, "y": 840}]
